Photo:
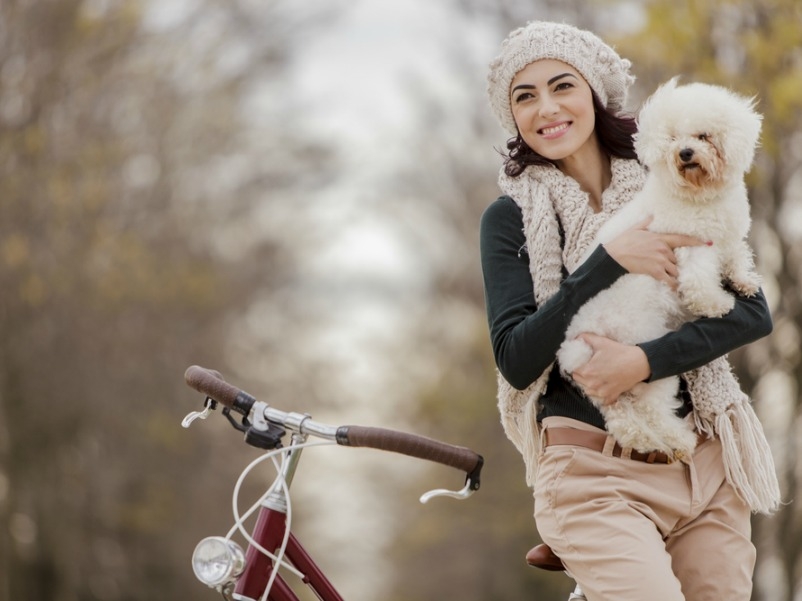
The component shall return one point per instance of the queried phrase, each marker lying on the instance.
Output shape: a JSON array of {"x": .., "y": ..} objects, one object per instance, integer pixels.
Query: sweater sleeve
[
  {"x": 700, "y": 341},
  {"x": 525, "y": 338}
]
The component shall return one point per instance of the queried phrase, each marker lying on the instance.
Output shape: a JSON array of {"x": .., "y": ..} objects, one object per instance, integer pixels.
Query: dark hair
[{"x": 614, "y": 133}]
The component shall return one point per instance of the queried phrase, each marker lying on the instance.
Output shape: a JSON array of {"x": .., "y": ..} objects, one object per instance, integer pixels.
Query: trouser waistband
[{"x": 597, "y": 441}]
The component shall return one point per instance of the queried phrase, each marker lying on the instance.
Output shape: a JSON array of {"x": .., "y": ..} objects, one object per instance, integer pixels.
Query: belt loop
[
  {"x": 609, "y": 445},
  {"x": 542, "y": 439},
  {"x": 626, "y": 453}
]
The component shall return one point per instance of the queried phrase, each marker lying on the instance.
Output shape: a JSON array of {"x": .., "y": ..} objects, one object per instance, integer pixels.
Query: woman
[{"x": 629, "y": 526}]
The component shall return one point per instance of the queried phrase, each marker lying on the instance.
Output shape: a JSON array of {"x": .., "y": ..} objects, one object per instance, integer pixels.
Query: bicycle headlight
[{"x": 217, "y": 560}]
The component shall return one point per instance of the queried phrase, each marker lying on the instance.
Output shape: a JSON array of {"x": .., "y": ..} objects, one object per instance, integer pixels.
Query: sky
[
  {"x": 355, "y": 79},
  {"x": 366, "y": 58}
]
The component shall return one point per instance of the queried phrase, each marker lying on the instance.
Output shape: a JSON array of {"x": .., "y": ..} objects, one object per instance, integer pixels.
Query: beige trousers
[{"x": 633, "y": 531}]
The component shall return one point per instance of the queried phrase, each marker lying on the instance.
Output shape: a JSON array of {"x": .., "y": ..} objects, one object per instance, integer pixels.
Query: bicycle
[
  {"x": 253, "y": 575},
  {"x": 221, "y": 564}
]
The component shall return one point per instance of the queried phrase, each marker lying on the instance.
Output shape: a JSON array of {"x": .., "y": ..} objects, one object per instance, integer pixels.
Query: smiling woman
[{"x": 571, "y": 166}]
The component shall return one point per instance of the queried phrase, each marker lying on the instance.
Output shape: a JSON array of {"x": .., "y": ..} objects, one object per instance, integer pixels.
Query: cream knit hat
[{"x": 606, "y": 72}]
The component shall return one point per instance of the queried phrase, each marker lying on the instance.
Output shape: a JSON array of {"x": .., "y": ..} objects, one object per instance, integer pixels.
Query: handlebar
[
  {"x": 211, "y": 384},
  {"x": 410, "y": 444}
]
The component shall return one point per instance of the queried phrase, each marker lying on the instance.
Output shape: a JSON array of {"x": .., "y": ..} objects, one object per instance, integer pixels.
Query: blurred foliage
[{"x": 111, "y": 286}]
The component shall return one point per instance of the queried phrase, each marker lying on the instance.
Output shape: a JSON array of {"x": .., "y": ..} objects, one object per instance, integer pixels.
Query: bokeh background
[{"x": 289, "y": 191}]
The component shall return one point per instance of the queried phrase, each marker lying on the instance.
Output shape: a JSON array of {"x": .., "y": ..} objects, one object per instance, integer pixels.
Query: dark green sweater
[{"x": 526, "y": 337}]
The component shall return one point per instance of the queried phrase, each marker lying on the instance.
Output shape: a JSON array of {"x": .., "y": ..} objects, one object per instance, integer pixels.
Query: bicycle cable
[{"x": 239, "y": 520}]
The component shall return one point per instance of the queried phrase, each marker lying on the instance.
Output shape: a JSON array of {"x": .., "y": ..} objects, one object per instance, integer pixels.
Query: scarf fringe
[
  {"x": 721, "y": 408},
  {"x": 748, "y": 461}
]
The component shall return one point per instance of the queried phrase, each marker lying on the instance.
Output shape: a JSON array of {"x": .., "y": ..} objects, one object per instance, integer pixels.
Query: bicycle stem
[{"x": 277, "y": 500}]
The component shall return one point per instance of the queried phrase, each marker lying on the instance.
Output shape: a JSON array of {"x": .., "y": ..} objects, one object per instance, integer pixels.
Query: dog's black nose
[{"x": 686, "y": 154}]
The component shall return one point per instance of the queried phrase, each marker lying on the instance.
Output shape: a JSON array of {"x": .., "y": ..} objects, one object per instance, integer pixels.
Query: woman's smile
[{"x": 554, "y": 130}]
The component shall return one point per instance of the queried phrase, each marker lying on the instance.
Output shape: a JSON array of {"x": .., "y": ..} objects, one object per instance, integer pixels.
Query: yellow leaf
[{"x": 15, "y": 250}]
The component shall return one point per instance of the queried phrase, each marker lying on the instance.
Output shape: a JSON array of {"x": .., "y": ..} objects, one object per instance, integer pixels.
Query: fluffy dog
[{"x": 697, "y": 141}]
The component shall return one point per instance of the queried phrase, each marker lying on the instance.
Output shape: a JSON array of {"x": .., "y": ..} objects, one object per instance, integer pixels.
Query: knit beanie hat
[{"x": 606, "y": 72}]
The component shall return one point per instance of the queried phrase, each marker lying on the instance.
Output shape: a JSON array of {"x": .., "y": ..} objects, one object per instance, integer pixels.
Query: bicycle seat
[{"x": 544, "y": 558}]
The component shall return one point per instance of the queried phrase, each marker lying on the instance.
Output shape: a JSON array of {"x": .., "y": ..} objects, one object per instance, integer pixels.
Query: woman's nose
[{"x": 548, "y": 106}]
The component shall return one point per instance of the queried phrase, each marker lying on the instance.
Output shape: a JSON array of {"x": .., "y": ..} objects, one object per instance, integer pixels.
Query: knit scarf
[{"x": 560, "y": 226}]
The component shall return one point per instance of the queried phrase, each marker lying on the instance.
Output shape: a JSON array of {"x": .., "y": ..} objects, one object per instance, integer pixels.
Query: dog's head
[{"x": 698, "y": 135}]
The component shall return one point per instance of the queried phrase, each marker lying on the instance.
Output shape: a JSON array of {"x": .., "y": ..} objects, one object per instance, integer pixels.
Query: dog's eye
[{"x": 703, "y": 137}]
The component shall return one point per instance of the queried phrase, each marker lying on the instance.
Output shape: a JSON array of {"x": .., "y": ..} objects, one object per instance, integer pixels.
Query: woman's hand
[
  {"x": 613, "y": 369},
  {"x": 640, "y": 251}
]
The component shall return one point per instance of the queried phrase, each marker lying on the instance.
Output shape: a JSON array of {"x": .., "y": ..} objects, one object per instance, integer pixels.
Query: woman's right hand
[{"x": 640, "y": 251}]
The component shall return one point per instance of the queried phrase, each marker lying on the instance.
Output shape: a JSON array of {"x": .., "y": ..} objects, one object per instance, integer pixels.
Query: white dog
[{"x": 697, "y": 141}]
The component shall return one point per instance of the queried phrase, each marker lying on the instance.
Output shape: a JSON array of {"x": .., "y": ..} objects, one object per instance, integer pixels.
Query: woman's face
[{"x": 553, "y": 108}]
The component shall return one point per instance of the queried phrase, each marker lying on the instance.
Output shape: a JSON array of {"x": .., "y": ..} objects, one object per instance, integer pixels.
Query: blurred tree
[{"x": 133, "y": 173}]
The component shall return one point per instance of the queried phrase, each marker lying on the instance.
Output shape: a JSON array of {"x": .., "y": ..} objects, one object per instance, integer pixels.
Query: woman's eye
[
  {"x": 523, "y": 96},
  {"x": 563, "y": 85}
]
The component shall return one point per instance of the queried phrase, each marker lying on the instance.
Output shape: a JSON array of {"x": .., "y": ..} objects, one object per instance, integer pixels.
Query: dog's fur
[{"x": 697, "y": 141}]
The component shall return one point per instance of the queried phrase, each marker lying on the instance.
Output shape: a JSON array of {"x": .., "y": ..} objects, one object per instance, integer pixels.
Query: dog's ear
[
  {"x": 664, "y": 90},
  {"x": 670, "y": 84},
  {"x": 742, "y": 131},
  {"x": 652, "y": 134}
]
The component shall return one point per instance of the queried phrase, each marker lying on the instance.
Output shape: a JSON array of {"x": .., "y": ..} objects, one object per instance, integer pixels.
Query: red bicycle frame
[{"x": 269, "y": 532}]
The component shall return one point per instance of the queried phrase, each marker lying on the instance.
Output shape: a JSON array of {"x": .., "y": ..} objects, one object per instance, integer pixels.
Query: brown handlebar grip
[
  {"x": 211, "y": 383},
  {"x": 410, "y": 444}
]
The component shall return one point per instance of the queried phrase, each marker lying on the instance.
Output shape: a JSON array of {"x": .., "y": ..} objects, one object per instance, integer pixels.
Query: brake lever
[
  {"x": 209, "y": 406},
  {"x": 461, "y": 495}
]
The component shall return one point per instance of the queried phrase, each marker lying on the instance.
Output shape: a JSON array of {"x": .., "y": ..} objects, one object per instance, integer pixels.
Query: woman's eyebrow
[
  {"x": 529, "y": 86},
  {"x": 560, "y": 76},
  {"x": 523, "y": 86}
]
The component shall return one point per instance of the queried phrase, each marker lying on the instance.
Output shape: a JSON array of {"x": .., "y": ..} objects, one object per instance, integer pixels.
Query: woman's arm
[
  {"x": 698, "y": 342},
  {"x": 525, "y": 337},
  {"x": 615, "y": 367}
]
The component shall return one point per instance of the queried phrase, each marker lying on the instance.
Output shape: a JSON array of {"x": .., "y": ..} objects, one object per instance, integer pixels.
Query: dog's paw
[
  {"x": 746, "y": 286},
  {"x": 572, "y": 355},
  {"x": 681, "y": 438},
  {"x": 716, "y": 305}
]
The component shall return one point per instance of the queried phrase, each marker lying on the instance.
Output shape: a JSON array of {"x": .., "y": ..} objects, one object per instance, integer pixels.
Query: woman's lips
[{"x": 555, "y": 130}]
